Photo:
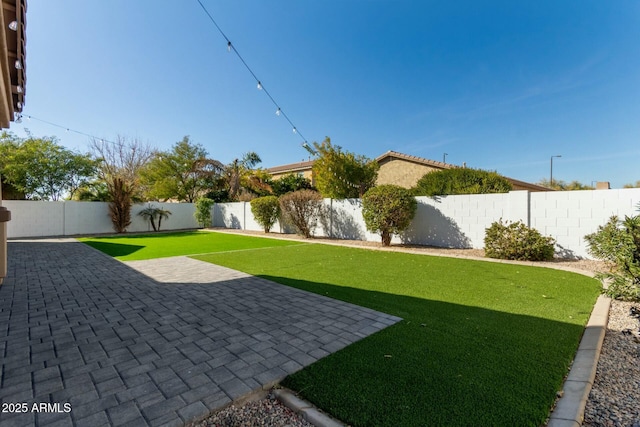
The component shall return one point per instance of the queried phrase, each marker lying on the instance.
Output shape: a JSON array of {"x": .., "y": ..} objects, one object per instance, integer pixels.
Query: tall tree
[
  {"x": 240, "y": 175},
  {"x": 41, "y": 168},
  {"x": 340, "y": 174},
  {"x": 184, "y": 173},
  {"x": 120, "y": 165}
]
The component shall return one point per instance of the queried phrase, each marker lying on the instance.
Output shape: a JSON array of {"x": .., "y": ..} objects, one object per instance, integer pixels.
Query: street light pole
[{"x": 551, "y": 174}]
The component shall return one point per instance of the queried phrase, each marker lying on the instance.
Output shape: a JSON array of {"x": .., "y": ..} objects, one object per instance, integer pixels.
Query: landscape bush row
[{"x": 389, "y": 210}]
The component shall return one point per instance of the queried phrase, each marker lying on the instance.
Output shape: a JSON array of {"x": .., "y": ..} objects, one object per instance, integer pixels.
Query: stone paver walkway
[{"x": 162, "y": 348}]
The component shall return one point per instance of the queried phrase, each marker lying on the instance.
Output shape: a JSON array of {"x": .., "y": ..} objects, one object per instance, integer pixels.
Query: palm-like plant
[
  {"x": 151, "y": 213},
  {"x": 239, "y": 170}
]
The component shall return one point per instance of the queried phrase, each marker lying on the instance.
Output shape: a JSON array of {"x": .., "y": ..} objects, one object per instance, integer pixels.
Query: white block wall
[
  {"x": 452, "y": 221},
  {"x": 69, "y": 218},
  {"x": 461, "y": 221}
]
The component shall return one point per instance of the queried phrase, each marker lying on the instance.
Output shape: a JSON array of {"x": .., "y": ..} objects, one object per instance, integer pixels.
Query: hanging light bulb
[
  {"x": 19, "y": 89},
  {"x": 19, "y": 105},
  {"x": 13, "y": 25},
  {"x": 18, "y": 64},
  {"x": 295, "y": 130},
  {"x": 259, "y": 85},
  {"x": 278, "y": 112},
  {"x": 229, "y": 46}
]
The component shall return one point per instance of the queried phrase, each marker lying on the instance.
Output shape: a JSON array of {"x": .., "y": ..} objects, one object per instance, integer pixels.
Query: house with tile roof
[{"x": 395, "y": 168}]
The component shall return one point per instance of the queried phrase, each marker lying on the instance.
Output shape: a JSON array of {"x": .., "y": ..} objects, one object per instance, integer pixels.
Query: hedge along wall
[
  {"x": 460, "y": 221},
  {"x": 69, "y": 218}
]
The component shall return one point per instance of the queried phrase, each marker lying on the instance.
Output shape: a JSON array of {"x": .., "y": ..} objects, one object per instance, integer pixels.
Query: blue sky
[{"x": 500, "y": 85}]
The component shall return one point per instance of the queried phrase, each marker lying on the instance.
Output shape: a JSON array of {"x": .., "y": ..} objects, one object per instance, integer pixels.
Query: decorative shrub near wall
[
  {"x": 152, "y": 213},
  {"x": 302, "y": 209},
  {"x": 266, "y": 211},
  {"x": 618, "y": 243},
  {"x": 203, "y": 211},
  {"x": 516, "y": 241},
  {"x": 388, "y": 210}
]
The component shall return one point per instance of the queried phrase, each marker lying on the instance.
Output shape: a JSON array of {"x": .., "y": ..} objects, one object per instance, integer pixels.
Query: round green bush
[
  {"x": 388, "y": 210},
  {"x": 266, "y": 211},
  {"x": 516, "y": 241}
]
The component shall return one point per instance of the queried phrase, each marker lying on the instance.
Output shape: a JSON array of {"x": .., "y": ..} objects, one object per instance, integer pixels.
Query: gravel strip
[
  {"x": 615, "y": 397},
  {"x": 614, "y": 400},
  {"x": 265, "y": 412}
]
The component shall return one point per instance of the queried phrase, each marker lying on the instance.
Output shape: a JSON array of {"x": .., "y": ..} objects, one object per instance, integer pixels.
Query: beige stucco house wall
[
  {"x": 395, "y": 168},
  {"x": 404, "y": 170},
  {"x": 304, "y": 169}
]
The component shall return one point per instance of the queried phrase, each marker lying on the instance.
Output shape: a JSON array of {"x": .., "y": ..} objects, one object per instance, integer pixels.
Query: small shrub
[
  {"x": 151, "y": 213},
  {"x": 388, "y": 209},
  {"x": 302, "y": 209},
  {"x": 266, "y": 211},
  {"x": 203, "y": 211},
  {"x": 618, "y": 243},
  {"x": 516, "y": 241}
]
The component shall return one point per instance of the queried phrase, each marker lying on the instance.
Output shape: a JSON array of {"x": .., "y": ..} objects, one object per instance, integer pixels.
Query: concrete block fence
[
  {"x": 461, "y": 221},
  {"x": 69, "y": 218},
  {"x": 451, "y": 221}
]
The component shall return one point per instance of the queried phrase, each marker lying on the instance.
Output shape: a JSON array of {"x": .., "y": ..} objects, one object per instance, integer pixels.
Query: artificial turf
[
  {"x": 161, "y": 245},
  {"x": 480, "y": 344}
]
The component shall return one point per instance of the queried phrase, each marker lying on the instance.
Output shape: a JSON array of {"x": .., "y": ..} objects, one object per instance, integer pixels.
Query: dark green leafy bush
[
  {"x": 388, "y": 210},
  {"x": 302, "y": 209},
  {"x": 618, "y": 243},
  {"x": 266, "y": 211},
  {"x": 516, "y": 241},
  {"x": 461, "y": 181}
]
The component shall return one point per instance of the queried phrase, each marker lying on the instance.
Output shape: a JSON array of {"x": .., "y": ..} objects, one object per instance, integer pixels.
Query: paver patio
[{"x": 159, "y": 342}]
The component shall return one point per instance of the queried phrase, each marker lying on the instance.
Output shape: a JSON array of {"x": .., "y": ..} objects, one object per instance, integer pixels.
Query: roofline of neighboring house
[
  {"x": 292, "y": 167},
  {"x": 415, "y": 159},
  {"x": 528, "y": 184},
  {"x": 307, "y": 165}
]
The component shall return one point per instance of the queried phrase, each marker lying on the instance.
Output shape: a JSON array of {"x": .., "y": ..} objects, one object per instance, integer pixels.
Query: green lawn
[
  {"x": 481, "y": 344},
  {"x": 160, "y": 245}
]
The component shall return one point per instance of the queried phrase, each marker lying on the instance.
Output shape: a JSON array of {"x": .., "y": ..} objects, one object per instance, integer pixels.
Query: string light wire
[
  {"x": 260, "y": 85},
  {"x": 67, "y": 129}
]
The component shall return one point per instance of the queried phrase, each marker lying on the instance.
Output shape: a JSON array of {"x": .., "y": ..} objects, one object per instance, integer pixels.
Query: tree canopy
[
  {"x": 243, "y": 180},
  {"x": 42, "y": 169},
  {"x": 561, "y": 185},
  {"x": 120, "y": 165},
  {"x": 341, "y": 174},
  {"x": 461, "y": 181},
  {"x": 183, "y": 173},
  {"x": 290, "y": 183}
]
